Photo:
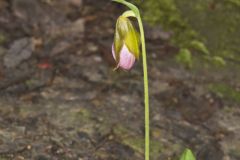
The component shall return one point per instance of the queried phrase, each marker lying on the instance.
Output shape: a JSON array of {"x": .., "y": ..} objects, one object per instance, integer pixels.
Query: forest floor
[{"x": 60, "y": 98}]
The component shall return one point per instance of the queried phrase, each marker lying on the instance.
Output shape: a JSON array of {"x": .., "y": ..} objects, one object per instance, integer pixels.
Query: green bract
[
  {"x": 187, "y": 155},
  {"x": 126, "y": 34}
]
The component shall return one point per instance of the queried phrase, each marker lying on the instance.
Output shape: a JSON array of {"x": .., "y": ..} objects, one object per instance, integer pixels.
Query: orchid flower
[{"x": 125, "y": 48}]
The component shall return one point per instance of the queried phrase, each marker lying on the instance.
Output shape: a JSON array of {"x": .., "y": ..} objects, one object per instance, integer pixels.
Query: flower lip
[{"x": 126, "y": 59}]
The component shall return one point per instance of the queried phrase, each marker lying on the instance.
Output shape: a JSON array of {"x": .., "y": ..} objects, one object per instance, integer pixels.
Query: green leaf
[
  {"x": 219, "y": 61},
  {"x": 199, "y": 46},
  {"x": 129, "y": 5},
  {"x": 185, "y": 57},
  {"x": 187, "y": 155}
]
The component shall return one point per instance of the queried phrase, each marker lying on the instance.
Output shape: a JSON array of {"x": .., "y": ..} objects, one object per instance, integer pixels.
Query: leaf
[
  {"x": 129, "y": 5},
  {"x": 185, "y": 57},
  {"x": 219, "y": 61},
  {"x": 187, "y": 155},
  {"x": 199, "y": 46}
]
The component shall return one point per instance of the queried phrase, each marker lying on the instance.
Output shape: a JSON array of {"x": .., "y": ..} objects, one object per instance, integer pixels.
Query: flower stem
[{"x": 146, "y": 96}]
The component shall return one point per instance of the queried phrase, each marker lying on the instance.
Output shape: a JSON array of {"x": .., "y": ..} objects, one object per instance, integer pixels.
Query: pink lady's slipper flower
[{"x": 125, "y": 48}]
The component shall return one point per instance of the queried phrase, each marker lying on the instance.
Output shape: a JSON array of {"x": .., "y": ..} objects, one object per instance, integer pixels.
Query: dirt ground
[{"x": 61, "y": 100}]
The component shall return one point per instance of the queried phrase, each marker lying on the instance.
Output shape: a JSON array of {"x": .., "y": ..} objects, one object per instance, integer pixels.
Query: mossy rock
[
  {"x": 137, "y": 142},
  {"x": 212, "y": 24},
  {"x": 225, "y": 91}
]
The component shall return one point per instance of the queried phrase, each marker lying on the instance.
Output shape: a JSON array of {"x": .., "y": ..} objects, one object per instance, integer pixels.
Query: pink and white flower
[
  {"x": 125, "y": 48},
  {"x": 126, "y": 59}
]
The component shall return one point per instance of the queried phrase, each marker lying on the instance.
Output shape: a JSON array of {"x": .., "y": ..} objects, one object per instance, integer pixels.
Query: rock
[
  {"x": 2, "y": 51},
  {"x": 77, "y": 27},
  {"x": 73, "y": 29},
  {"x": 60, "y": 47},
  {"x": 157, "y": 32},
  {"x": 19, "y": 51},
  {"x": 211, "y": 151},
  {"x": 42, "y": 157},
  {"x": 76, "y": 3},
  {"x": 26, "y": 9},
  {"x": 3, "y": 4}
]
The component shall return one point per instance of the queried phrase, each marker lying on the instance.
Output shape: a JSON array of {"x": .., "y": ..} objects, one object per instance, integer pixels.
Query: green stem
[{"x": 146, "y": 96}]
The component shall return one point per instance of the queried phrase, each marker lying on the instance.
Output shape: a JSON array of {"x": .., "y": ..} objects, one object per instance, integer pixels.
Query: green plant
[
  {"x": 134, "y": 12},
  {"x": 187, "y": 155},
  {"x": 125, "y": 50}
]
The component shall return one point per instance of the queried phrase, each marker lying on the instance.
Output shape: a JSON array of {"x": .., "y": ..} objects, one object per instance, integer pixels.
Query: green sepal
[
  {"x": 129, "y": 5},
  {"x": 187, "y": 155},
  {"x": 126, "y": 34},
  {"x": 132, "y": 42},
  {"x": 122, "y": 26},
  {"x": 129, "y": 13},
  {"x": 118, "y": 44},
  {"x": 120, "y": 33}
]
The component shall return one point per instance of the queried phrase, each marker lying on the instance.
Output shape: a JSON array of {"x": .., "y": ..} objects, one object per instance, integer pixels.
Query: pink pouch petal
[{"x": 127, "y": 59}]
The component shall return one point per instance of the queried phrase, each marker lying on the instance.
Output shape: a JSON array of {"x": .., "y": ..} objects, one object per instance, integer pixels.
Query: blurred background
[{"x": 60, "y": 98}]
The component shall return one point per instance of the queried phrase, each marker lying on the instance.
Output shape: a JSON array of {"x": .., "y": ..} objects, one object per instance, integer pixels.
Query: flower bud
[{"x": 125, "y": 48}]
